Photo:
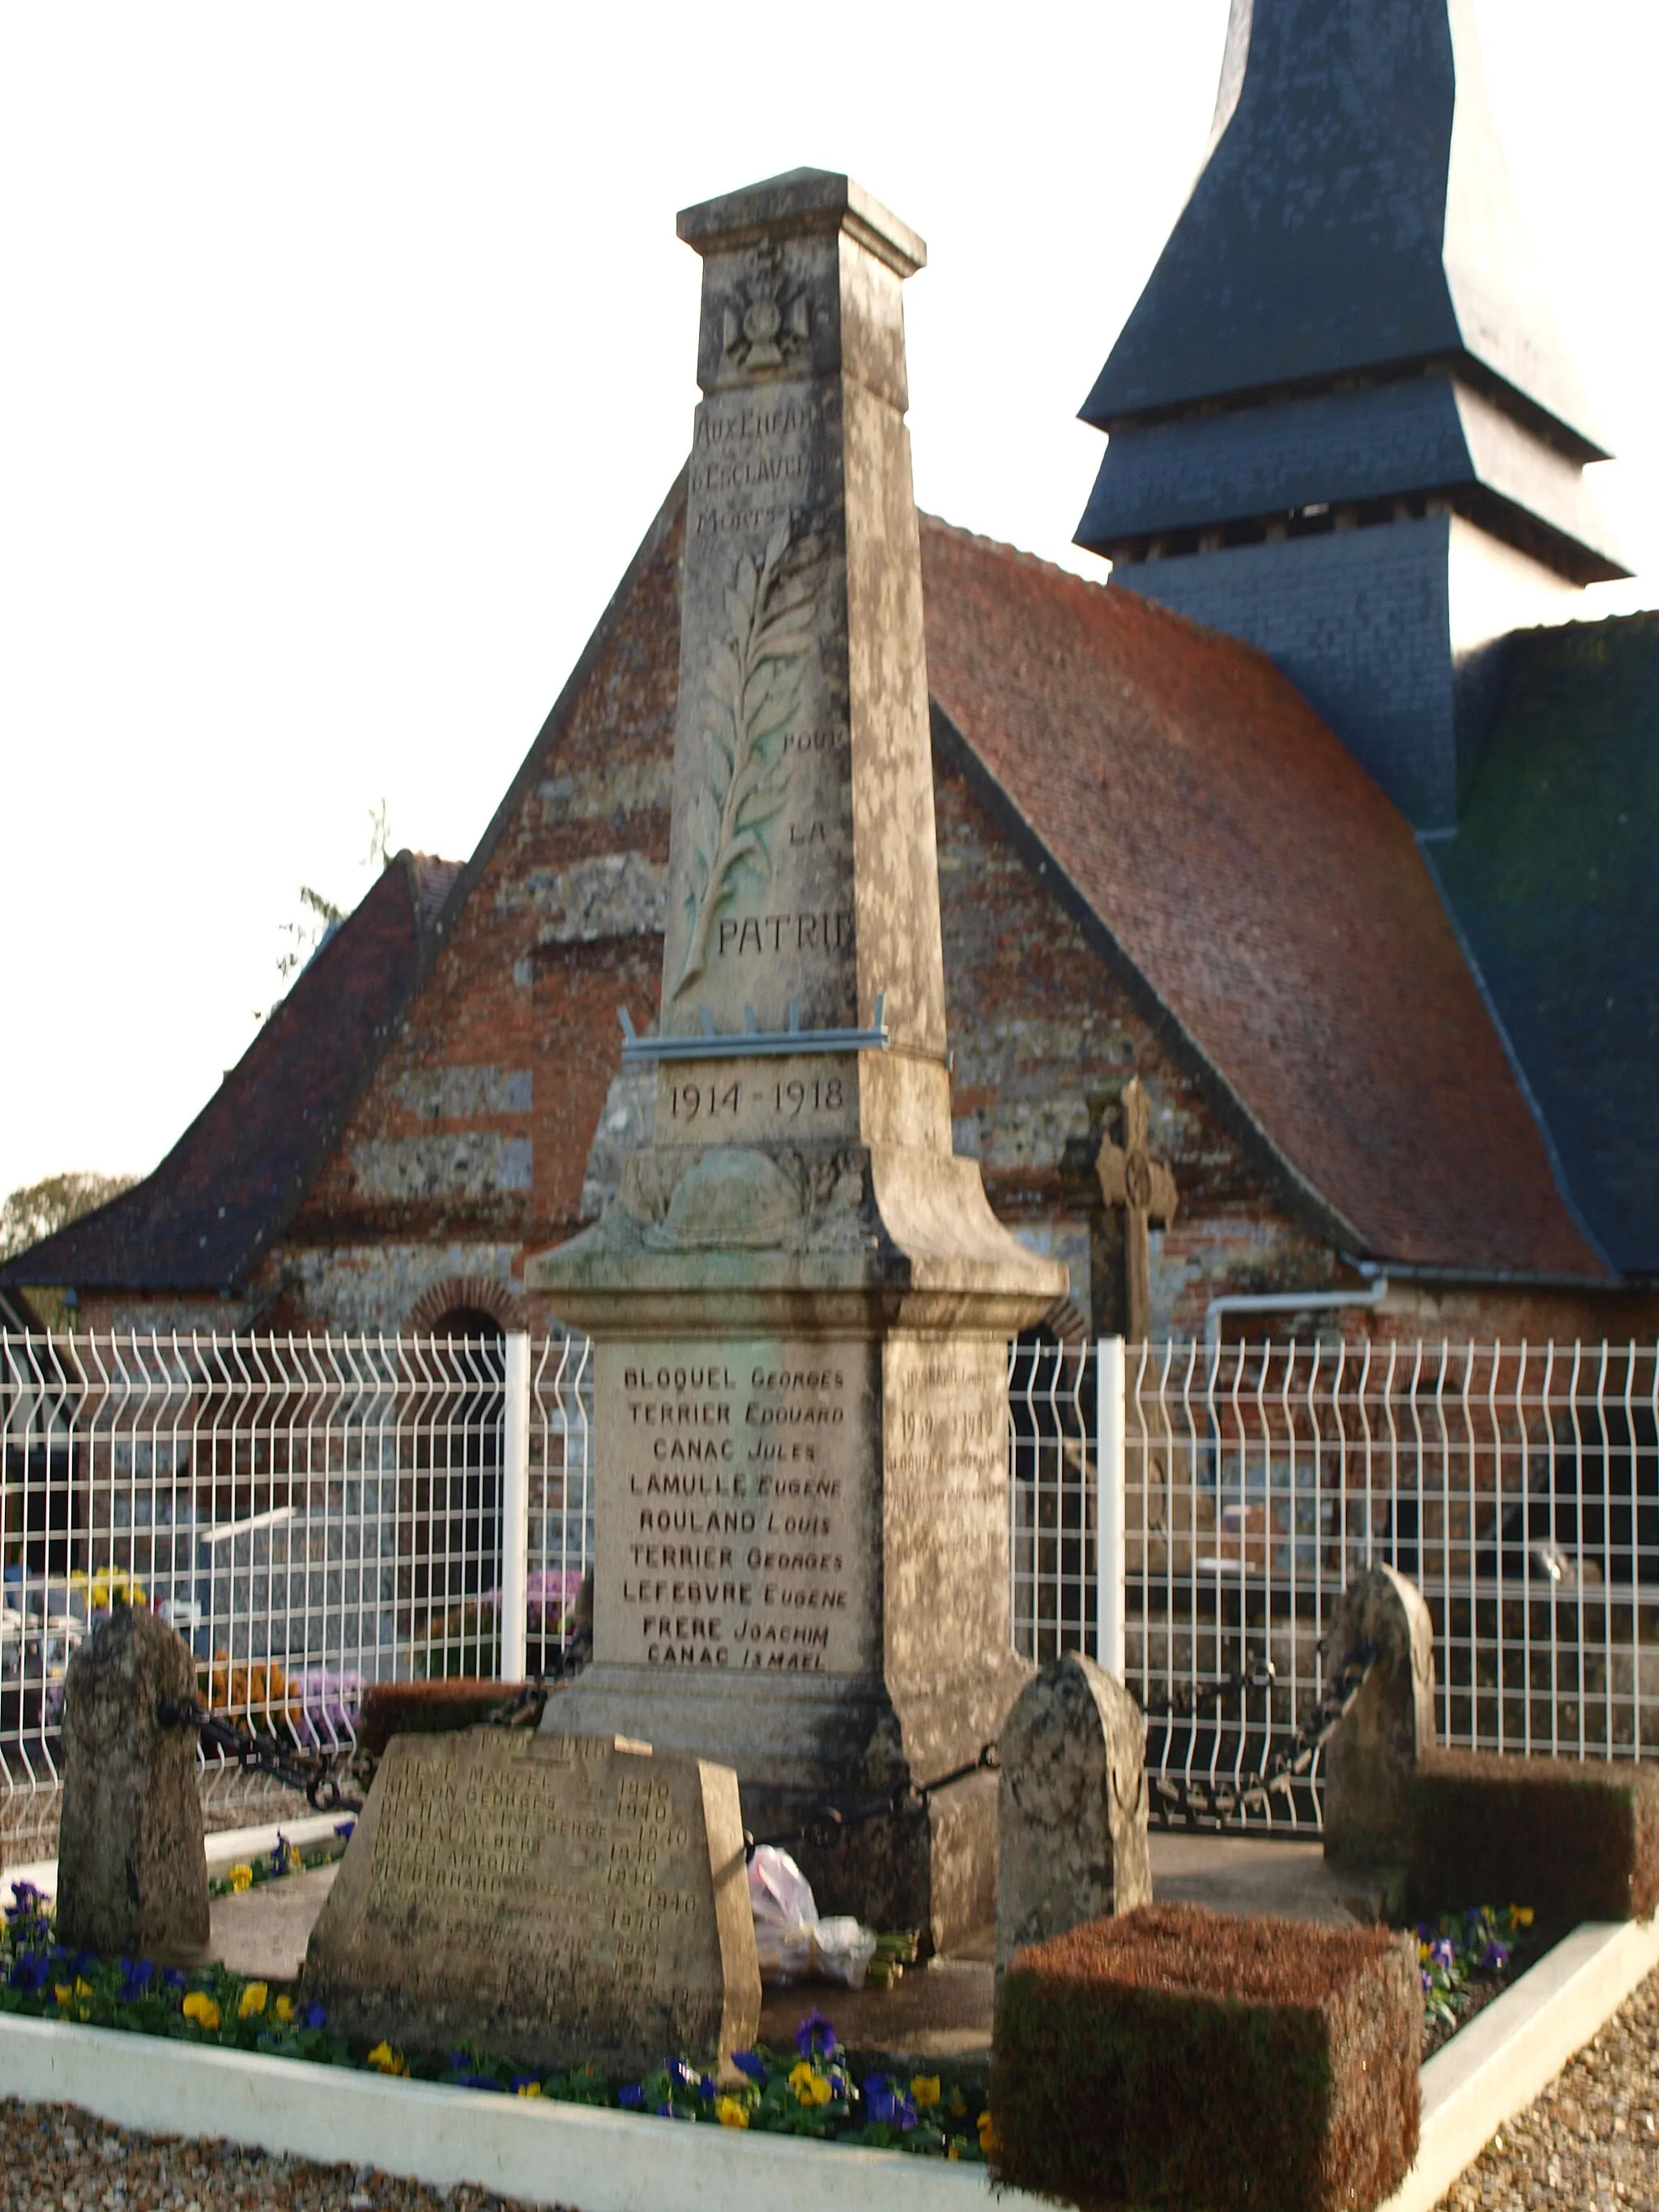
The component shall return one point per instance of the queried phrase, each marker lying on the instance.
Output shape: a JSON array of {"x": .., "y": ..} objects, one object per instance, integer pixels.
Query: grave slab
[{"x": 562, "y": 1899}]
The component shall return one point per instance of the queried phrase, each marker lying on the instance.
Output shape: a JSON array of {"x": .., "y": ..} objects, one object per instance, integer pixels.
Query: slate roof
[
  {"x": 1553, "y": 876},
  {"x": 1235, "y": 857},
  {"x": 203, "y": 1220},
  {"x": 1355, "y": 214}
]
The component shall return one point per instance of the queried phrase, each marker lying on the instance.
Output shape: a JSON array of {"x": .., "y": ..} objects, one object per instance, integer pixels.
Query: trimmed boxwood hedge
[
  {"x": 1180, "y": 2057},
  {"x": 1576, "y": 1839},
  {"x": 439, "y": 1707}
]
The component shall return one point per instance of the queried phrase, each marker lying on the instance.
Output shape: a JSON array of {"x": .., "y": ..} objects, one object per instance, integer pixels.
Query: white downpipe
[
  {"x": 1287, "y": 1302},
  {"x": 1109, "y": 1424},
  {"x": 515, "y": 1507}
]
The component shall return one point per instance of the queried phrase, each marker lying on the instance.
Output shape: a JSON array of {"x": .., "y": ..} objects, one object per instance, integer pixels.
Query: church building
[{"x": 1298, "y": 887}]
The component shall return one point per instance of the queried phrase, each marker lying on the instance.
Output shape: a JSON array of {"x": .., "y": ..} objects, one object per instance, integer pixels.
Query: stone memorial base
[
  {"x": 560, "y": 1899},
  {"x": 801, "y": 1522}
]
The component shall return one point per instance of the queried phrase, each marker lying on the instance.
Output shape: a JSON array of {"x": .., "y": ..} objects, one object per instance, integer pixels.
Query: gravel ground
[
  {"x": 1592, "y": 2139},
  {"x": 55, "y": 2159}
]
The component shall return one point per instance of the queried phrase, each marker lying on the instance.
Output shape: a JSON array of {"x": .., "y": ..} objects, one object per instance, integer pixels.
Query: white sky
[{"x": 348, "y": 353}]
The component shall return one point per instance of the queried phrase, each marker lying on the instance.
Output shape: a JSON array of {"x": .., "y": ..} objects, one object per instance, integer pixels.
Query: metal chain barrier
[
  {"x": 308, "y": 1771},
  {"x": 1212, "y": 1804},
  {"x": 824, "y": 1825}
]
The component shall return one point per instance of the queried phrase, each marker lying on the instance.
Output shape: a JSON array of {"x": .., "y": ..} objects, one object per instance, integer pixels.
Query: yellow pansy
[
  {"x": 62, "y": 1991},
  {"x": 285, "y": 2010},
  {"x": 252, "y": 1999},
  {"x": 1521, "y": 1915},
  {"x": 811, "y": 2087},
  {"x": 987, "y": 2135},
  {"x": 529, "y": 2089},
  {"x": 924, "y": 2088},
  {"x": 241, "y": 1877},
  {"x": 200, "y": 2007},
  {"x": 731, "y": 2113},
  {"x": 385, "y": 2060},
  {"x": 83, "y": 1989}
]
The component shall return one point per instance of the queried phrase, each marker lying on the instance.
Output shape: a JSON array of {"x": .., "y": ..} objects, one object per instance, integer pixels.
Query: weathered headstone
[
  {"x": 800, "y": 1298},
  {"x": 554, "y": 1898},
  {"x": 1374, "y": 1753},
  {"x": 1073, "y": 1806},
  {"x": 131, "y": 1868}
]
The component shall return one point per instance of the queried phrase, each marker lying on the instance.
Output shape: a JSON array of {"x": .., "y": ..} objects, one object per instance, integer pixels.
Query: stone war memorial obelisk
[{"x": 800, "y": 1298}]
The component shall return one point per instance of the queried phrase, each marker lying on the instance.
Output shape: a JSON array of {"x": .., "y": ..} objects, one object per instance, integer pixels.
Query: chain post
[{"x": 515, "y": 1507}]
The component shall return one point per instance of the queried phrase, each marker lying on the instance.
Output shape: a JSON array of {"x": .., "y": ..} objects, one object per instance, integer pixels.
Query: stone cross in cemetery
[
  {"x": 800, "y": 1299},
  {"x": 1137, "y": 1191}
]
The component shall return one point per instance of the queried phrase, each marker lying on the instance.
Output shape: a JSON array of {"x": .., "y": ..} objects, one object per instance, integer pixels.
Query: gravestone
[
  {"x": 800, "y": 1298},
  {"x": 554, "y": 1899},
  {"x": 132, "y": 1867},
  {"x": 1374, "y": 1753},
  {"x": 1073, "y": 1806}
]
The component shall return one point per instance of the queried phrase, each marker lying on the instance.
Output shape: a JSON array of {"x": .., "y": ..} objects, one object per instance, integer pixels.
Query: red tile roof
[
  {"x": 203, "y": 1219},
  {"x": 1265, "y": 889}
]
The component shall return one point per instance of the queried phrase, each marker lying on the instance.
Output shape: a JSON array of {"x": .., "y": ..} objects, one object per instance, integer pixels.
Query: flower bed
[
  {"x": 283, "y": 1859},
  {"x": 806, "y": 2091},
  {"x": 1466, "y": 1959}
]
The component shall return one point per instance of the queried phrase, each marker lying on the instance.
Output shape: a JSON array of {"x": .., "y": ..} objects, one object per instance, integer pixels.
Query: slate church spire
[{"x": 1342, "y": 425}]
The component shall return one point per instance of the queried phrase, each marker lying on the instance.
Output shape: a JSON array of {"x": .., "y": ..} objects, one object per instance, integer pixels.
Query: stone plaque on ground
[
  {"x": 1073, "y": 1843},
  {"x": 800, "y": 1299},
  {"x": 132, "y": 1867},
  {"x": 556, "y": 1898},
  {"x": 1374, "y": 1753}
]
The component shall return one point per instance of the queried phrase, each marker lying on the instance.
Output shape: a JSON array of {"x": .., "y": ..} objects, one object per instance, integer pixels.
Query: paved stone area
[
  {"x": 55, "y": 2159},
  {"x": 1592, "y": 2140},
  {"x": 264, "y": 1932},
  {"x": 941, "y": 2011}
]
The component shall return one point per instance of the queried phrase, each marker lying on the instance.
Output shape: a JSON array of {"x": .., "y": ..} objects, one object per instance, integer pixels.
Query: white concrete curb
[
  {"x": 546, "y": 2153},
  {"x": 225, "y": 1846},
  {"x": 608, "y": 2162},
  {"x": 1495, "y": 2067}
]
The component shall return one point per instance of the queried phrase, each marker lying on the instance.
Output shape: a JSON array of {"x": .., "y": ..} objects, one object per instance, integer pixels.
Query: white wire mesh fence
[
  {"x": 1519, "y": 1486},
  {"x": 313, "y": 1516}
]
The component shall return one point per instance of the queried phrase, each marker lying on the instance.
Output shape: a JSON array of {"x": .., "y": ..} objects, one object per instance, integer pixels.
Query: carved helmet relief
[{"x": 769, "y": 321}]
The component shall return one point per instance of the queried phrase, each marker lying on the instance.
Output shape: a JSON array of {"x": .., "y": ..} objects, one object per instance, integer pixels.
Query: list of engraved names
[
  {"x": 591, "y": 1844},
  {"x": 741, "y": 1501}
]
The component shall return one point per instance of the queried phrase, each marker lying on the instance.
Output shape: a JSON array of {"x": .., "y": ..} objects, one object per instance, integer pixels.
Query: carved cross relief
[{"x": 1137, "y": 1191}]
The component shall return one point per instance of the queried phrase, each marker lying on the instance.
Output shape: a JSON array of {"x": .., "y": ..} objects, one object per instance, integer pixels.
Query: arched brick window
[
  {"x": 455, "y": 1524},
  {"x": 465, "y": 1306}
]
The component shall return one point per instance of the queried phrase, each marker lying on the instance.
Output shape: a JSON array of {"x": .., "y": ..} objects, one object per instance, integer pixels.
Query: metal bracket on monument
[{"x": 752, "y": 1041}]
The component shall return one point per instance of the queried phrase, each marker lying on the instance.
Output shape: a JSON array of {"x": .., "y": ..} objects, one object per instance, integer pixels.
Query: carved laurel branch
[{"x": 756, "y": 685}]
